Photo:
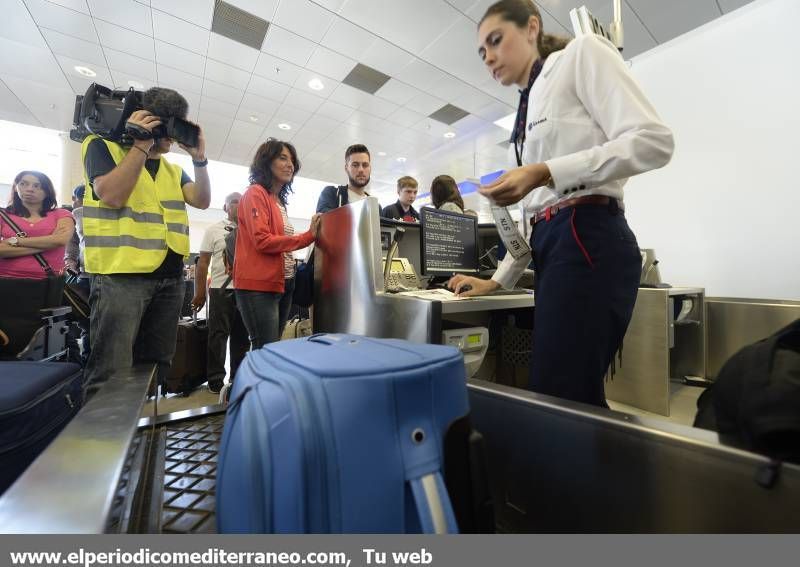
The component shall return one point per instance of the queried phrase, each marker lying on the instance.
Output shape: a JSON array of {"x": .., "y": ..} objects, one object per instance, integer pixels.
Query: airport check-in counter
[
  {"x": 349, "y": 291},
  {"x": 664, "y": 345},
  {"x": 553, "y": 465}
]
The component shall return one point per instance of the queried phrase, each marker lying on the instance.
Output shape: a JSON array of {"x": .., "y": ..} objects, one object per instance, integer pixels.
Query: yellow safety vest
[{"x": 135, "y": 238}]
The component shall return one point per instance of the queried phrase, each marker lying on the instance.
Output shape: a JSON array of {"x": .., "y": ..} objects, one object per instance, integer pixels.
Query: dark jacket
[
  {"x": 395, "y": 211},
  {"x": 332, "y": 197}
]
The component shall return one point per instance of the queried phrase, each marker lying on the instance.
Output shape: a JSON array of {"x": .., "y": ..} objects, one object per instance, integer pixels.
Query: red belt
[{"x": 585, "y": 200}]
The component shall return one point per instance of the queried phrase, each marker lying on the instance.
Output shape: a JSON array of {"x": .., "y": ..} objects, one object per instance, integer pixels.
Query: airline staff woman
[{"x": 583, "y": 128}]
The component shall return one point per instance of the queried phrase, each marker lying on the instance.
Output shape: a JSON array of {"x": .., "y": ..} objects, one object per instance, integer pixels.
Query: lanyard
[{"x": 518, "y": 135}]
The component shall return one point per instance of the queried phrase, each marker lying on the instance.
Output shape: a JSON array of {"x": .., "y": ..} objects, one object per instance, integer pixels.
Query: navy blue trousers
[{"x": 587, "y": 267}]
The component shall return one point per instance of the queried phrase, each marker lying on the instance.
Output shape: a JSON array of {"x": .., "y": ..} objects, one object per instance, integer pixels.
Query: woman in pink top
[{"x": 46, "y": 229}]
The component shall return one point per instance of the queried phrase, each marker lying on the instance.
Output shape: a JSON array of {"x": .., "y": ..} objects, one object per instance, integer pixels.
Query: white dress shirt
[
  {"x": 589, "y": 121},
  {"x": 214, "y": 243}
]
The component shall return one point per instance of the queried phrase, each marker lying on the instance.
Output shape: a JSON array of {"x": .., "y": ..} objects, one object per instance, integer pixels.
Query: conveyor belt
[
  {"x": 190, "y": 471},
  {"x": 169, "y": 485}
]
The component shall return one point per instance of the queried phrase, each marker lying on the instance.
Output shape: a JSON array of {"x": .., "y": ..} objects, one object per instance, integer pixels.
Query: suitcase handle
[
  {"x": 433, "y": 504},
  {"x": 325, "y": 338}
]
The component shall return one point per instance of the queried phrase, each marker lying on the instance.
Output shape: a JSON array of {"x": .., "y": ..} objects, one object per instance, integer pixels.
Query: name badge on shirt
[{"x": 536, "y": 123}]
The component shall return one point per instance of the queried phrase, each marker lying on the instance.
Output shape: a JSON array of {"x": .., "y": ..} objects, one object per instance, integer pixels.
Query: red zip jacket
[{"x": 260, "y": 242}]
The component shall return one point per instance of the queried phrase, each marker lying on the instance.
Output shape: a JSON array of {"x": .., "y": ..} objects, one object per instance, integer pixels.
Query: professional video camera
[{"x": 105, "y": 112}]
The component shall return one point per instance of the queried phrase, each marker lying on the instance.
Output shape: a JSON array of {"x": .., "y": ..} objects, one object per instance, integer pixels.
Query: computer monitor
[{"x": 449, "y": 243}]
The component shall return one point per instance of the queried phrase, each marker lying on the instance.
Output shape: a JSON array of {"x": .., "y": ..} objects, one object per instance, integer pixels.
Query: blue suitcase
[
  {"x": 340, "y": 434},
  {"x": 37, "y": 399}
]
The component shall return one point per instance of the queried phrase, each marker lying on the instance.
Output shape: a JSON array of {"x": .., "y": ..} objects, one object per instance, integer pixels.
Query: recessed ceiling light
[
  {"x": 284, "y": 126},
  {"x": 381, "y": 154},
  {"x": 449, "y": 135},
  {"x": 316, "y": 84},
  {"x": 85, "y": 71},
  {"x": 253, "y": 118},
  {"x": 135, "y": 85},
  {"x": 401, "y": 159}
]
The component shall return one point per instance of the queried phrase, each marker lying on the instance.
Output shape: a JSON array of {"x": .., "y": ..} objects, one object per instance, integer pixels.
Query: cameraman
[{"x": 136, "y": 237}]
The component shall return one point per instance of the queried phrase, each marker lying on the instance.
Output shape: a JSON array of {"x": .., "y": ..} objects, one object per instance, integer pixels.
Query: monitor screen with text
[{"x": 449, "y": 243}]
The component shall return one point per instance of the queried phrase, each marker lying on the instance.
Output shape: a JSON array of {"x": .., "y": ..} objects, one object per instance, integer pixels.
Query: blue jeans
[
  {"x": 133, "y": 320},
  {"x": 259, "y": 311},
  {"x": 587, "y": 277}
]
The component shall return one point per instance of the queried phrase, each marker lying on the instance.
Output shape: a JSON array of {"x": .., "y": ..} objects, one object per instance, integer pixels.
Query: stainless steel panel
[
  {"x": 70, "y": 486},
  {"x": 348, "y": 282},
  {"x": 558, "y": 466},
  {"x": 347, "y": 273},
  {"x": 732, "y": 323},
  {"x": 398, "y": 317},
  {"x": 688, "y": 355},
  {"x": 642, "y": 379},
  {"x": 192, "y": 413}
]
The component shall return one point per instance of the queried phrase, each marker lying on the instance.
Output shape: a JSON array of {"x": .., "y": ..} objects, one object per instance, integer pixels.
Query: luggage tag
[{"x": 514, "y": 242}]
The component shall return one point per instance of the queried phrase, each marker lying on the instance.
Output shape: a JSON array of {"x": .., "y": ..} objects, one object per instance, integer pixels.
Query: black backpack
[
  {"x": 303, "y": 295},
  {"x": 229, "y": 253},
  {"x": 755, "y": 400}
]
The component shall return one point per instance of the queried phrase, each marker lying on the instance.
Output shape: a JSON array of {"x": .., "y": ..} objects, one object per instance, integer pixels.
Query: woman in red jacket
[{"x": 258, "y": 268}]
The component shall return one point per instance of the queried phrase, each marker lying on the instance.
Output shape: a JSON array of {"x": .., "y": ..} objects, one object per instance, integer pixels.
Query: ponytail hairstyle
[{"x": 519, "y": 12}]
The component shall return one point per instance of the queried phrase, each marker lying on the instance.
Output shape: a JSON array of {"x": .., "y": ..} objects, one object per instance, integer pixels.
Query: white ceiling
[{"x": 239, "y": 94}]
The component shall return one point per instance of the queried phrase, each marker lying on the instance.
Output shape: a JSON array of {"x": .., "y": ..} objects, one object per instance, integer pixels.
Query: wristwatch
[{"x": 13, "y": 241}]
